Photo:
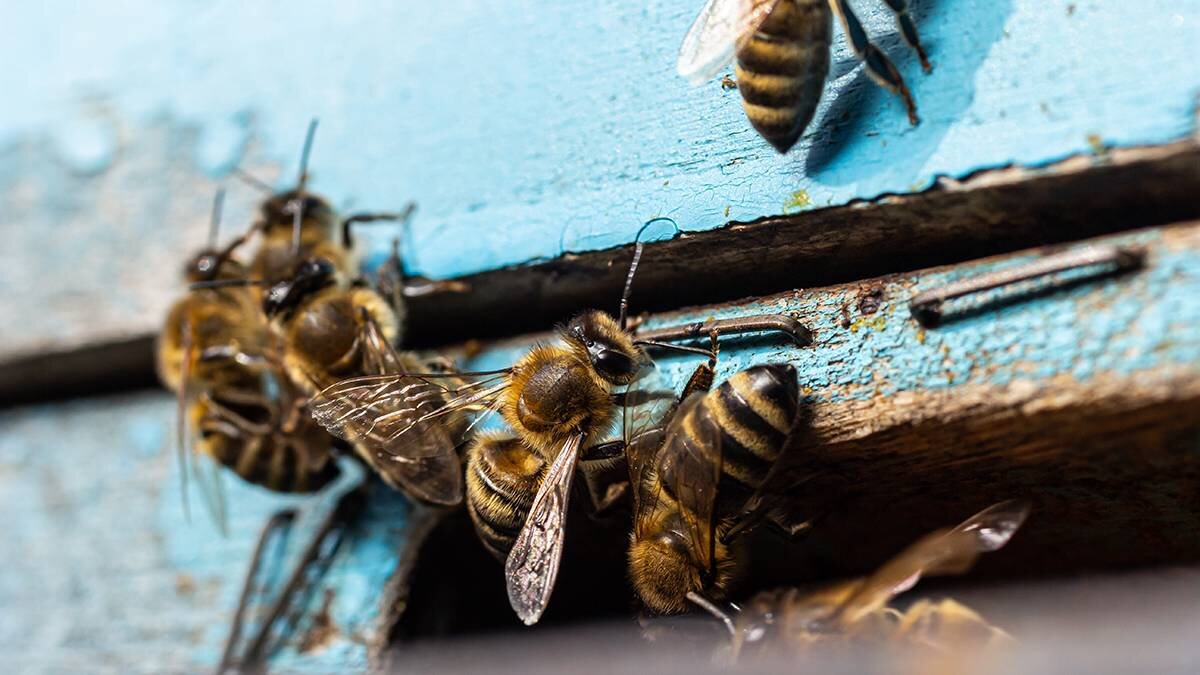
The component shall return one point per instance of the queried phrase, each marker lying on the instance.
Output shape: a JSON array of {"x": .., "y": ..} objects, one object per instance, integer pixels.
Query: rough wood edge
[{"x": 988, "y": 213}]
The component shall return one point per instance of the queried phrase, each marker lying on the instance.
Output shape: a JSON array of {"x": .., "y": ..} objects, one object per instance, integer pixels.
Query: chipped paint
[
  {"x": 1127, "y": 324},
  {"x": 506, "y": 150}
]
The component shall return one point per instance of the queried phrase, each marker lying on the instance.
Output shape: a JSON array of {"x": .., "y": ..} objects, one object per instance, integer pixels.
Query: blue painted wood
[
  {"x": 104, "y": 574},
  {"x": 1128, "y": 327},
  {"x": 527, "y": 129},
  {"x": 107, "y": 574}
]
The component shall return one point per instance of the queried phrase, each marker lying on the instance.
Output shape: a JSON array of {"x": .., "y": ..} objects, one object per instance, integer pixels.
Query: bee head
[
  {"x": 311, "y": 275},
  {"x": 279, "y": 211},
  {"x": 664, "y": 571},
  {"x": 609, "y": 349}
]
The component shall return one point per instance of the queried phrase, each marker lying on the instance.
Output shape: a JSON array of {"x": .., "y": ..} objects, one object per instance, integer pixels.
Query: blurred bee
[
  {"x": 690, "y": 478},
  {"x": 790, "y": 620},
  {"x": 782, "y": 51},
  {"x": 557, "y": 399},
  {"x": 330, "y": 332},
  {"x": 212, "y": 352},
  {"x": 296, "y": 225}
]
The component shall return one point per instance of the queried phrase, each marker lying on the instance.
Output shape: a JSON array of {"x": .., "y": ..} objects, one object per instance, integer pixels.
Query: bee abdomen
[
  {"x": 781, "y": 70},
  {"x": 503, "y": 476},
  {"x": 754, "y": 410},
  {"x": 262, "y": 461}
]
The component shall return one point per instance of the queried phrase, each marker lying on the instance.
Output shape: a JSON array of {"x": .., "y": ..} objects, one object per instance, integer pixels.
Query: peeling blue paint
[
  {"x": 1126, "y": 324},
  {"x": 526, "y": 129}
]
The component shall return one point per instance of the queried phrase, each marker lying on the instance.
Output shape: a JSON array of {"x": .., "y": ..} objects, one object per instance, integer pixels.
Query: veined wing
[
  {"x": 646, "y": 412},
  {"x": 532, "y": 565},
  {"x": 951, "y": 551},
  {"x": 690, "y": 462},
  {"x": 710, "y": 42},
  {"x": 398, "y": 414}
]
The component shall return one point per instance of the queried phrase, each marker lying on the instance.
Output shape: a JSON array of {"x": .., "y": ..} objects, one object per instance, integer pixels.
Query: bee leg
[
  {"x": 879, "y": 67},
  {"x": 317, "y": 558},
  {"x": 279, "y": 524},
  {"x": 702, "y": 378},
  {"x": 605, "y": 475},
  {"x": 350, "y": 221},
  {"x": 909, "y": 30}
]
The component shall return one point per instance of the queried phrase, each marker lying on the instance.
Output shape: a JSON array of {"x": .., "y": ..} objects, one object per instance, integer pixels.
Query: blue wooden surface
[
  {"x": 105, "y": 574},
  {"x": 102, "y": 573},
  {"x": 1129, "y": 327},
  {"x": 526, "y": 129}
]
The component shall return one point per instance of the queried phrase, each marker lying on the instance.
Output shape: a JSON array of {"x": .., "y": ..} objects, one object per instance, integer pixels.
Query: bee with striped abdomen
[
  {"x": 788, "y": 621},
  {"x": 782, "y": 53},
  {"x": 557, "y": 399},
  {"x": 235, "y": 405},
  {"x": 693, "y": 476}
]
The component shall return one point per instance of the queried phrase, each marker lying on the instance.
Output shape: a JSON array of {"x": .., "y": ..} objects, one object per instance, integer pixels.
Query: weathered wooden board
[
  {"x": 524, "y": 130},
  {"x": 1083, "y": 399},
  {"x": 103, "y": 573}
]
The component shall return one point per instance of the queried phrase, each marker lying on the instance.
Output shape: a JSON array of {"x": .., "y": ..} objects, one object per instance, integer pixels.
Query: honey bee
[
  {"x": 241, "y": 409},
  {"x": 331, "y": 332},
  {"x": 782, "y": 52},
  {"x": 694, "y": 474},
  {"x": 791, "y": 620},
  {"x": 557, "y": 399},
  {"x": 503, "y": 475}
]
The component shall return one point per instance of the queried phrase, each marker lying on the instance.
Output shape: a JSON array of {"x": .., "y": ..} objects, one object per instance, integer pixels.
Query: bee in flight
[
  {"x": 557, "y": 399},
  {"x": 239, "y": 407},
  {"x": 692, "y": 477},
  {"x": 782, "y": 57},
  {"x": 791, "y": 620}
]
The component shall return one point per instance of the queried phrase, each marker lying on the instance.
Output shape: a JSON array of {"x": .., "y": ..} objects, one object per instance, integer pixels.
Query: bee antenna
[
  {"x": 711, "y": 607},
  {"x": 214, "y": 223},
  {"x": 252, "y": 181},
  {"x": 308, "y": 143},
  {"x": 637, "y": 257},
  {"x": 297, "y": 218}
]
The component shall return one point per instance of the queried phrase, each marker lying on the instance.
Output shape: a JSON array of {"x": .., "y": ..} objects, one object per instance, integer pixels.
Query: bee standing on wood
[
  {"x": 790, "y": 620},
  {"x": 240, "y": 409},
  {"x": 557, "y": 399},
  {"x": 782, "y": 51},
  {"x": 694, "y": 474}
]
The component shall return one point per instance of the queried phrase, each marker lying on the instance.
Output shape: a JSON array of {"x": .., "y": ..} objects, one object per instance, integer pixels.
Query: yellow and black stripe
[
  {"x": 753, "y": 411},
  {"x": 503, "y": 475},
  {"x": 295, "y": 462},
  {"x": 781, "y": 69}
]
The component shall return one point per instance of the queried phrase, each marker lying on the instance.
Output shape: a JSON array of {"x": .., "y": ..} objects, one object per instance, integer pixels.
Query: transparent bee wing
[
  {"x": 951, "y": 551},
  {"x": 379, "y": 357},
  {"x": 709, "y": 44},
  {"x": 532, "y": 565},
  {"x": 690, "y": 462},
  {"x": 385, "y": 422},
  {"x": 391, "y": 413},
  {"x": 647, "y": 410}
]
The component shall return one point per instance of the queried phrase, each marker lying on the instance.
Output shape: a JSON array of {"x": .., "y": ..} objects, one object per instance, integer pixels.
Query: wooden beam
[
  {"x": 1079, "y": 393},
  {"x": 992, "y": 212}
]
